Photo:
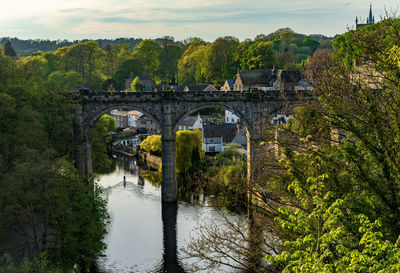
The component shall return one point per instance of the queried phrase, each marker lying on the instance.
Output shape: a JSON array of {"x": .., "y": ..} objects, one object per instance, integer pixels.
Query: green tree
[
  {"x": 152, "y": 144},
  {"x": 136, "y": 85},
  {"x": 189, "y": 65},
  {"x": 259, "y": 56},
  {"x": 9, "y": 50},
  {"x": 218, "y": 61},
  {"x": 188, "y": 145},
  {"x": 148, "y": 51},
  {"x": 131, "y": 65},
  {"x": 100, "y": 137}
]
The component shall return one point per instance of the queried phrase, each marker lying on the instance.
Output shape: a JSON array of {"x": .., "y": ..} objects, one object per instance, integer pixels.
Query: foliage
[
  {"x": 151, "y": 144},
  {"x": 188, "y": 147},
  {"x": 36, "y": 165},
  {"x": 100, "y": 137},
  {"x": 148, "y": 52},
  {"x": 259, "y": 56},
  {"x": 136, "y": 85},
  {"x": 343, "y": 198},
  {"x": 9, "y": 50}
]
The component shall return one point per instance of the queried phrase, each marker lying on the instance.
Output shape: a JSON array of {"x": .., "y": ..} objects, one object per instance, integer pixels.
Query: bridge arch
[
  {"x": 191, "y": 110},
  {"x": 91, "y": 119}
]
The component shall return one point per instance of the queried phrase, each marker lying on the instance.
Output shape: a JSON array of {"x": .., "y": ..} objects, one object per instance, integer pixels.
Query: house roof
[
  {"x": 289, "y": 75},
  {"x": 200, "y": 87},
  {"x": 188, "y": 121},
  {"x": 119, "y": 113},
  {"x": 240, "y": 139},
  {"x": 178, "y": 88},
  {"x": 255, "y": 76},
  {"x": 230, "y": 83},
  {"x": 226, "y": 131},
  {"x": 134, "y": 113}
]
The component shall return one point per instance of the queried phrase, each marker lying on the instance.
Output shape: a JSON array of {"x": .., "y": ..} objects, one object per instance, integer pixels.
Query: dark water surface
[{"x": 146, "y": 235}]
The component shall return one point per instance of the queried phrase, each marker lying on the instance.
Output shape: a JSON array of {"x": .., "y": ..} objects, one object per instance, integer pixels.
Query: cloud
[{"x": 181, "y": 18}]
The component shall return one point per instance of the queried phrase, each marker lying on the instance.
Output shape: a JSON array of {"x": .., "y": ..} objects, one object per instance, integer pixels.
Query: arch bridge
[{"x": 167, "y": 109}]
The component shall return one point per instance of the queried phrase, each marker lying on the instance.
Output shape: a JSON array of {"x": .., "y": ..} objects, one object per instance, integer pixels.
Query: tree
[
  {"x": 346, "y": 215},
  {"x": 259, "y": 56},
  {"x": 187, "y": 143},
  {"x": 132, "y": 65},
  {"x": 70, "y": 79},
  {"x": 9, "y": 50},
  {"x": 152, "y": 144},
  {"x": 148, "y": 51},
  {"x": 114, "y": 56},
  {"x": 136, "y": 85},
  {"x": 189, "y": 65},
  {"x": 218, "y": 62},
  {"x": 100, "y": 137}
]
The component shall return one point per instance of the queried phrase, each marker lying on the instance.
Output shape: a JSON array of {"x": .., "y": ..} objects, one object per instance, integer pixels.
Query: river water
[{"x": 145, "y": 235}]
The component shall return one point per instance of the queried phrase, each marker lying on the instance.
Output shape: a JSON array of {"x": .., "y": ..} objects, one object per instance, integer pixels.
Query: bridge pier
[
  {"x": 83, "y": 146},
  {"x": 169, "y": 186}
]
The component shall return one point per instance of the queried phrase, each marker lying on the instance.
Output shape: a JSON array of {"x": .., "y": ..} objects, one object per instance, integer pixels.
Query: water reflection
[
  {"x": 146, "y": 235},
  {"x": 138, "y": 220},
  {"x": 171, "y": 262}
]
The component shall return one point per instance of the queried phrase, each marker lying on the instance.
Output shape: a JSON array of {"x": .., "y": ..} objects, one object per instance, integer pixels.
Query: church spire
[{"x": 370, "y": 17}]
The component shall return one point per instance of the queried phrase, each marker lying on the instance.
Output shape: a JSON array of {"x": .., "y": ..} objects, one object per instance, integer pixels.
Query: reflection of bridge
[{"x": 167, "y": 109}]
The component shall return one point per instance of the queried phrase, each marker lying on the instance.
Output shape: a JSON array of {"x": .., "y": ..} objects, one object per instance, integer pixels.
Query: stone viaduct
[{"x": 167, "y": 109}]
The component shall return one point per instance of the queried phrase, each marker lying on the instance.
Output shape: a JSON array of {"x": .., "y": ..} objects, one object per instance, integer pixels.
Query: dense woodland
[
  {"x": 105, "y": 64},
  {"x": 326, "y": 192},
  {"x": 43, "y": 199}
]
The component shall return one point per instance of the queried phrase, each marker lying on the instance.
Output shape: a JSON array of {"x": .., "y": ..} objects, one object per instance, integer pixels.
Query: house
[
  {"x": 216, "y": 137},
  {"x": 147, "y": 83},
  {"x": 231, "y": 117},
  {"x": 128, "y": 141},
  {"x": 149, "y": 124},
  {"x": 253, "y": 79},
  {"x": 121, "y": 118},
  {"x": 287, "y": 79},
  {"x": 133, "y": 117},
  {"x": 228, "y": 86},
  {"x": 273, "y": 79},
  {"x": 190, "y": 123},
  {"x": 199, "y": 87}
]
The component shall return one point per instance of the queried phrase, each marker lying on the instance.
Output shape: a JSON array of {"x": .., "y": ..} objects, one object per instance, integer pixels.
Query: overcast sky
[{"x": 77, "y": 19}]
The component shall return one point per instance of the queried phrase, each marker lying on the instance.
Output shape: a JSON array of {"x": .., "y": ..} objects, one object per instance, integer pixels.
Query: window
[{"x": 211, "y": 149}]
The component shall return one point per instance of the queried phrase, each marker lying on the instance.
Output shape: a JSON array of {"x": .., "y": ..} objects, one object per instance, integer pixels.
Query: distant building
[
  {"x": 149, "y": 124},
  {"x": 121, "y": 118},
  {"x": 216, "y": 137},
  {"x": 228, "y": 86},
  {"x": 199, "y": 87},
  {"x": 369, "y": 21},
  {"x": 231, "y": 117},
  {"x": 147, "y": 83},
  {"x": 133, "y": 117},
  {"x": 190, "y": 123},
  {"x": 275, "y": 79}
]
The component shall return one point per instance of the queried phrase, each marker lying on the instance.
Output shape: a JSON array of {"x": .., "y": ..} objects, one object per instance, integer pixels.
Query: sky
[{"x": 96, "y": 19}]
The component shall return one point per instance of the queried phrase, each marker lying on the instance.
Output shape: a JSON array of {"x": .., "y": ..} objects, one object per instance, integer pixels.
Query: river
[{"x": 145, "y": 235}]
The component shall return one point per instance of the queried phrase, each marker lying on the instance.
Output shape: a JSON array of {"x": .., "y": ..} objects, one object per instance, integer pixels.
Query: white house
[
  {"x": 133, "y": 117},
  {"x": 190, "y": 123},
  {"x": 128, "y": 141},
  {"x": 231, "y": 117},
  {"x": 216, "y": 137}
]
